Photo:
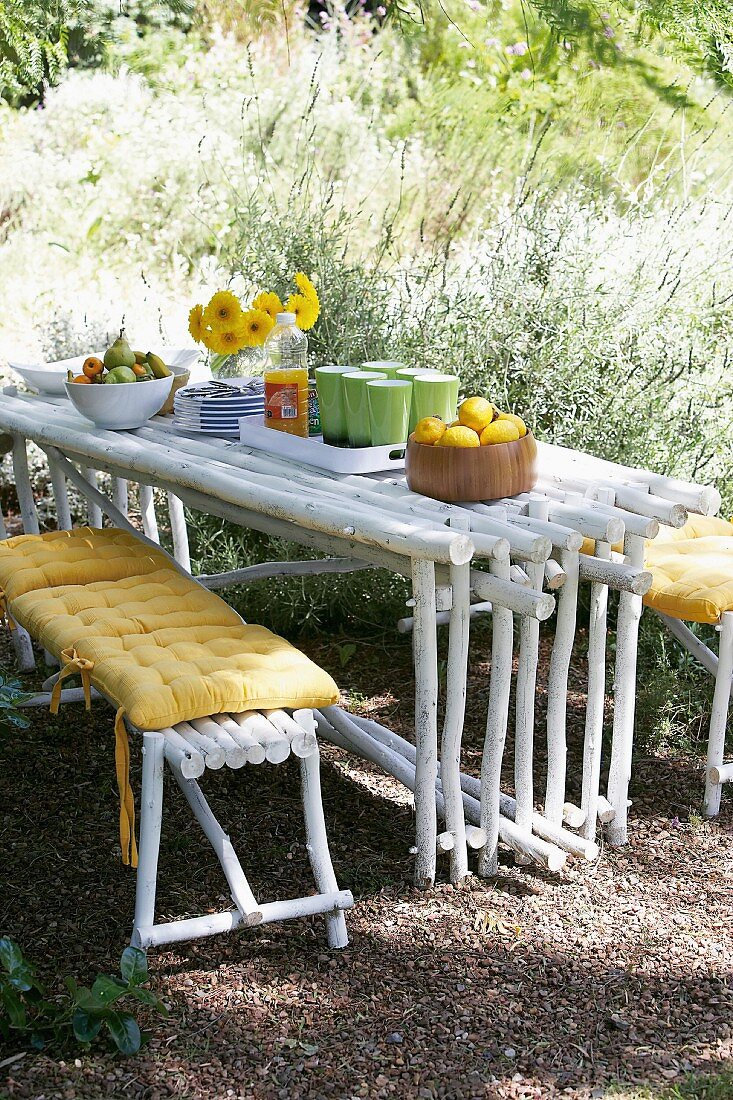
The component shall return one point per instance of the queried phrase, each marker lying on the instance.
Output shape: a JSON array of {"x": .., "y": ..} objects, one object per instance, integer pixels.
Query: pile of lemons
[{"x": 479, "y": 424}]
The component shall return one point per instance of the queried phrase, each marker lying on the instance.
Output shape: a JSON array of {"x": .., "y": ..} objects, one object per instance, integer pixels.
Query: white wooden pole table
[{"x": 530, "y": 548}]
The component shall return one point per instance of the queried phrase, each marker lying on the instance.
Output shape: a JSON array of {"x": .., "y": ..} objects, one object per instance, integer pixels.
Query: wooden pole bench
[
  {"x": 233, "y": 740},
  {"x": 204, "y": 689}
]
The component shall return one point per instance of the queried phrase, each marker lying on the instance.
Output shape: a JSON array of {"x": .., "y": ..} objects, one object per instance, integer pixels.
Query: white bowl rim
[{"x": 61, "y": 365}]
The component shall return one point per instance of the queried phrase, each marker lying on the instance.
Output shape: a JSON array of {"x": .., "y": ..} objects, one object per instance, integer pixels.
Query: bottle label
[
  {"x": 281, "y": 400},
  {"x": 314, "y": 411}
]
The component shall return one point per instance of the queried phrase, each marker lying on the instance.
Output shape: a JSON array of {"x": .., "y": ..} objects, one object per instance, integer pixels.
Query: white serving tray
[{"x": 314, "y": 452}]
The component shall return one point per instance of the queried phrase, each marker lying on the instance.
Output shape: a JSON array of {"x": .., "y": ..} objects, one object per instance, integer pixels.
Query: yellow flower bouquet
[{"x": 225, "y": 328}]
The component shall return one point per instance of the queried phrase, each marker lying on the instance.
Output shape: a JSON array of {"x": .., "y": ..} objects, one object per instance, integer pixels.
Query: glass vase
[{"x": 247, "y": 363}]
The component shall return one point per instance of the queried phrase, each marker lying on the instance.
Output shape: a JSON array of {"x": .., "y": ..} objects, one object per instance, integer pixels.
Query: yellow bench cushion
[
  {"x": 30, "y": 562},
  {"x": 692, "y": 570},
  {"x": 163, "y": 647}
]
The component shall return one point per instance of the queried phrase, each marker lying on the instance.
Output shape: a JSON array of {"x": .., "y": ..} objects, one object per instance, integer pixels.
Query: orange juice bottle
[{"x": 286, "y": 377}]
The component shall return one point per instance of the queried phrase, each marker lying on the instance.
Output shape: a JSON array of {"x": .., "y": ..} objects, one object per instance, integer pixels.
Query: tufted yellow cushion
[
  {"x": 692, "y": 569},
  {"x": 163, "y": 647},
  {"x": 30, "y": 562}
]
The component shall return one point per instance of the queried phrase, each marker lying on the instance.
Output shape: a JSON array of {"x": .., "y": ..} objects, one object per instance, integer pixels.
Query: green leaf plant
[
  {"x": 12, "y": 697},
  {"x": 79, "y": 1014}
]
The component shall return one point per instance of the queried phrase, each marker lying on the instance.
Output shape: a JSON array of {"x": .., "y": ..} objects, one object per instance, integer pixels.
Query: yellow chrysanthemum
[
  {"x": 306, "y": 311},
  {"x": 196, "y": 324},
  {"x": 256, "y": 324},
  {"x": 227, "y": 341},
  {"x": 269, "y": 303},
  {"x": 223, "y": 311},
  {"x": 305, "y": 286}
]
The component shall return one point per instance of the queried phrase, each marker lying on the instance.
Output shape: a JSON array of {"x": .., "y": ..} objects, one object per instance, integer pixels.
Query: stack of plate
[{"x": 216, "y": 408}]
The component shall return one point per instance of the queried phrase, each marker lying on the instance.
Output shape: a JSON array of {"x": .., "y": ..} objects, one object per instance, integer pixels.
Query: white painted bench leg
[
  {"x": 317, "y": 845},
  {"x": 242, "y": 895},
  {"x": 719, "y": 717},
  {"x": 151, "y": 816},
  {"x": 557, "y": 687},
  {"x": 179, "y": 531},
  {"x": 497, "y": 717},
  {"x": 627, "y": 644},
  {"x": 425, "y": 648},
  {"x": 147, "y": 511}
]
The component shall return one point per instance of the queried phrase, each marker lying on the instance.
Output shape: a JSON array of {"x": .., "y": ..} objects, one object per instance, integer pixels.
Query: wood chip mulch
[{"x": 530, "y": 986}]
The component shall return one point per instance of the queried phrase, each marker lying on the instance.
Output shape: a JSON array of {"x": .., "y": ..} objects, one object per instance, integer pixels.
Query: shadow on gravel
[{"x": 620, "y": 971}]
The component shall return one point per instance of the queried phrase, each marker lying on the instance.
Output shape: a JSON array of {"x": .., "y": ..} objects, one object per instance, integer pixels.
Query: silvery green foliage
[
  {"x": 604, "y": 319},
  {"x": 12, "y": 698},
  {"x": 66, "y": 333}
]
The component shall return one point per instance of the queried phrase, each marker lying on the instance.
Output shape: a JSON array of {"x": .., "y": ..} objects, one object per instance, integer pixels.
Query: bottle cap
[{"x": 286, "y": 318}]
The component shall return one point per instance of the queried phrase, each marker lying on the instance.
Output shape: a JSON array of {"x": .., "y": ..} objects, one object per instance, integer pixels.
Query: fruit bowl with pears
[
  {"x": 142, "y": 385},
  {"x": 485, "y": 454}
]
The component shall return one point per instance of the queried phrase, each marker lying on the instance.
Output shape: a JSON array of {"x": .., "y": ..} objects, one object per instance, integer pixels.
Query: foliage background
[{"x": 537, "y": 195}]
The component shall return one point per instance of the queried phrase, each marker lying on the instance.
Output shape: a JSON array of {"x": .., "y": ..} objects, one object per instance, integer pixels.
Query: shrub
[{"x": 79, "y": 1014}]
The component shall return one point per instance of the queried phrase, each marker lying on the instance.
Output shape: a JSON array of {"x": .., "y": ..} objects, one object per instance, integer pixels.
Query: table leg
[
  {"x": 179, "y": 532},
  {"x": 497, "y": 717},
  {"x": 557, "y": 687},
  {"x": 529, "y": 637},
  {"x": 627, "y": 643},
  {"x": 719, "y": 716},
  {"x": 425, "y": 649},
  {"x": 94, "y": 512},
  {"x": 147, "y": 512},
  {"x": 455, "y": 712},
  {"x": 593, "y": 742}
]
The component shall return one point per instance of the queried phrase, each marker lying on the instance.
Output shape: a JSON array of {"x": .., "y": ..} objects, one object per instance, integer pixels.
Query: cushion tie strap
[
  {"x": 5, "y": 617},
  {"x": 73, "y": 663},
  {"x": 127, "y": 801}
]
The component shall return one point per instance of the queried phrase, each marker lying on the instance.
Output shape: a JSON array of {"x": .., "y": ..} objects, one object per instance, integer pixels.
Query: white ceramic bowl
[
  {"x": 51, "y": 377},
  {"x": 120, "y": 405}
]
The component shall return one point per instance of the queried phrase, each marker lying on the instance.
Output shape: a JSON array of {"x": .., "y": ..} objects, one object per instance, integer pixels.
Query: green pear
[
  {"x": 120, "y": 354},
  {"x": 120, "y": 374}
]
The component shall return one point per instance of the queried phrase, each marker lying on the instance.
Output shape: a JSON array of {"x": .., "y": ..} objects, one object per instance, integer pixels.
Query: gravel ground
[{"x": 529, "y": 986}]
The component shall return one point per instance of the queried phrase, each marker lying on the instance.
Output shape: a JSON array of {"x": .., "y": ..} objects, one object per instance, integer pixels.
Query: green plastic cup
[
  {"x": 386, "y": 366},
  {"x": 411, "y": 373},
  {"x": 331, "y": 404},
  {"x": 357, "y": 406},
  {"x": 434, "y": 394},
  {"x": 389, "y": 410}
]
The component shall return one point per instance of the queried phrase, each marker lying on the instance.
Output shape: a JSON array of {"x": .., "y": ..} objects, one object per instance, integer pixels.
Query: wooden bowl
[
  {"x": 472, "y": 473},
  {"x": 181, "y": 378}
]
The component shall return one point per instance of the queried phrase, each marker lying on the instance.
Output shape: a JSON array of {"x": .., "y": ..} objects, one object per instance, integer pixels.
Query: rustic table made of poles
[{"x": 508, "y": 558}]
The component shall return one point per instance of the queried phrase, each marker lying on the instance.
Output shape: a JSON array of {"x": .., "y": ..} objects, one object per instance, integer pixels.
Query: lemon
[
  {"x": 514, "y": 420},
  {"x": 476, "y": 413},
  {"x": 429, "y": 430},
  {"x": 460, "y": 436},
  {"x": 501, "y": 431}
]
